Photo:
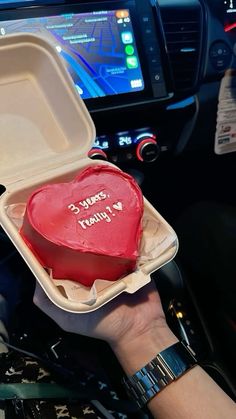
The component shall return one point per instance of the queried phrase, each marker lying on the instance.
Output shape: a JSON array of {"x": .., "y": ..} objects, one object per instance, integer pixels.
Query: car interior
[{"x": 150, "y": 74}]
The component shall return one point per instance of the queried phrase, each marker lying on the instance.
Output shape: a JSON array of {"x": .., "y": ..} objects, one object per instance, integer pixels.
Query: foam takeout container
[{"x": 45, "y": 135}]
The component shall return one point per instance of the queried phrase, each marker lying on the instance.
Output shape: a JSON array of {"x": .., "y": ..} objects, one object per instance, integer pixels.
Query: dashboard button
[
  {"x": 148, "y": 32},
  {"x": 220, "y": 55},
  {"x": 154, "y": 60},
  {"x": 114, "y": 158},
  {"x": 97, "y": 154},
  {"x": 159, "y": 90},
  {"x": 148, "y": 150},
  {"x": 147, "y": 19},
  {"x": 152, "y": 47},
  {"x": 157, "y": 75}
]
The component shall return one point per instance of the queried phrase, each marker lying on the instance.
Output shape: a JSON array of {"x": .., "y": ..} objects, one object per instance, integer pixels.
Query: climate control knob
[
  {"x": 97, "y": 154},
  {"x": 148, "y": 150}
]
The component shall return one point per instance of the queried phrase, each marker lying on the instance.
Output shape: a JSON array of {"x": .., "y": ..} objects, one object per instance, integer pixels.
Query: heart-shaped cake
[{"x": 86, "y": 229}]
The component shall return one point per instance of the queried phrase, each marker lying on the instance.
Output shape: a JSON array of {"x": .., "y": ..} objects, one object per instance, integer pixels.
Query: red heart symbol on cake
[{"x": 86, "y": 229}]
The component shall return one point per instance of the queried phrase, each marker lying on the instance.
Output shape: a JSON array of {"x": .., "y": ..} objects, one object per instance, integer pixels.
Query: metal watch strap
[{"x": 166, "y": 367}]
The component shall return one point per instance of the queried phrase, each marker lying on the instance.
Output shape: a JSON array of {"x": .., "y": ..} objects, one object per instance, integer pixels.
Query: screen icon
[
  {"x": 79, "y": 90},
  {"x": 127, "y": 37},
  {"x": 129, "y": 49},
  {"x": 136, "y": 83},
  {"x": 132, "y": 62},
  {"x": 58, "y": 48},
  {"x": 122, "y": 14}
]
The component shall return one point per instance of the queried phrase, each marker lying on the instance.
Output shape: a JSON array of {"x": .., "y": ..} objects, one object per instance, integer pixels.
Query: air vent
[{"x": 183, "y": 32}]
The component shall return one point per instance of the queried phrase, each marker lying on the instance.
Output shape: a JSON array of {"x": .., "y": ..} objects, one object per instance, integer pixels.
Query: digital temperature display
[
  {"x": 125, "y": 140},
  {"x": 229, "y": 15},
  {"x": 102, "y": 143},
  {"x": 230, "y": 6}
]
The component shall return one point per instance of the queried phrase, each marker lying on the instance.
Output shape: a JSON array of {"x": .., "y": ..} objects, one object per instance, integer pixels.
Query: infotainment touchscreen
[
  {"x": 99, "y": 49},
  {"x": 19, "y": 3}
]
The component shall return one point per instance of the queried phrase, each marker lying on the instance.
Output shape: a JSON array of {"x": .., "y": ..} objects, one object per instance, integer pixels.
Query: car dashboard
[
  {"x": 137, "y": 65},
  {"x": 149, "y": 73}
]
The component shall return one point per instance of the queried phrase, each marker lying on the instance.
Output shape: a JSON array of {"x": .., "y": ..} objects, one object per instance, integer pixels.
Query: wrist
[{"x": 134, "y": 352}]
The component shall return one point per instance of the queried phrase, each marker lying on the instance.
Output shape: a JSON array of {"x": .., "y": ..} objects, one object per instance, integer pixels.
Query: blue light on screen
[{"x": 99, "y": 49}]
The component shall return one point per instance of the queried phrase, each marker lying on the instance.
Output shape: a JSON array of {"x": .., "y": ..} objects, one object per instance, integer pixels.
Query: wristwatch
[{"x": 165, "y": 368}]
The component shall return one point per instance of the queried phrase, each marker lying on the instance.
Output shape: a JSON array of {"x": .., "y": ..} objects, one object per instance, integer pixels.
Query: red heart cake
[{"x": 86, "y": 229}]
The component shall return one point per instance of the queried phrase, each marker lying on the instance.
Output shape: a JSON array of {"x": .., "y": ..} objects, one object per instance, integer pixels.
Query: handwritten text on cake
[{"x": 99, "y": 216}]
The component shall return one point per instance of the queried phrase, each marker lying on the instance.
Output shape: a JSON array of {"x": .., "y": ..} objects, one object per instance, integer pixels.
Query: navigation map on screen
[
  {"x": 99, "y": 49},
  {"x": 14, "y": 1}
]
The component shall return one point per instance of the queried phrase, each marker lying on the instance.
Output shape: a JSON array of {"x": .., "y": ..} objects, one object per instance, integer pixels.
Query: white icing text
[
  {"x": 92, "y": 200},
  {"x": 98, "y": 217},
  {"x": 88, "y": 202}
]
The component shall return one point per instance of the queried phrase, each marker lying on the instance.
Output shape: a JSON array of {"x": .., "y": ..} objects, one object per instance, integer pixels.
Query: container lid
[{"x": 44, "y": 123}]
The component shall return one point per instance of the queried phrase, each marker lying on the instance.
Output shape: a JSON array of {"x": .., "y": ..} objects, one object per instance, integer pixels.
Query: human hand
[
  {"x": 127, "y": 314},
  {"x": 124, "y": 323}
]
